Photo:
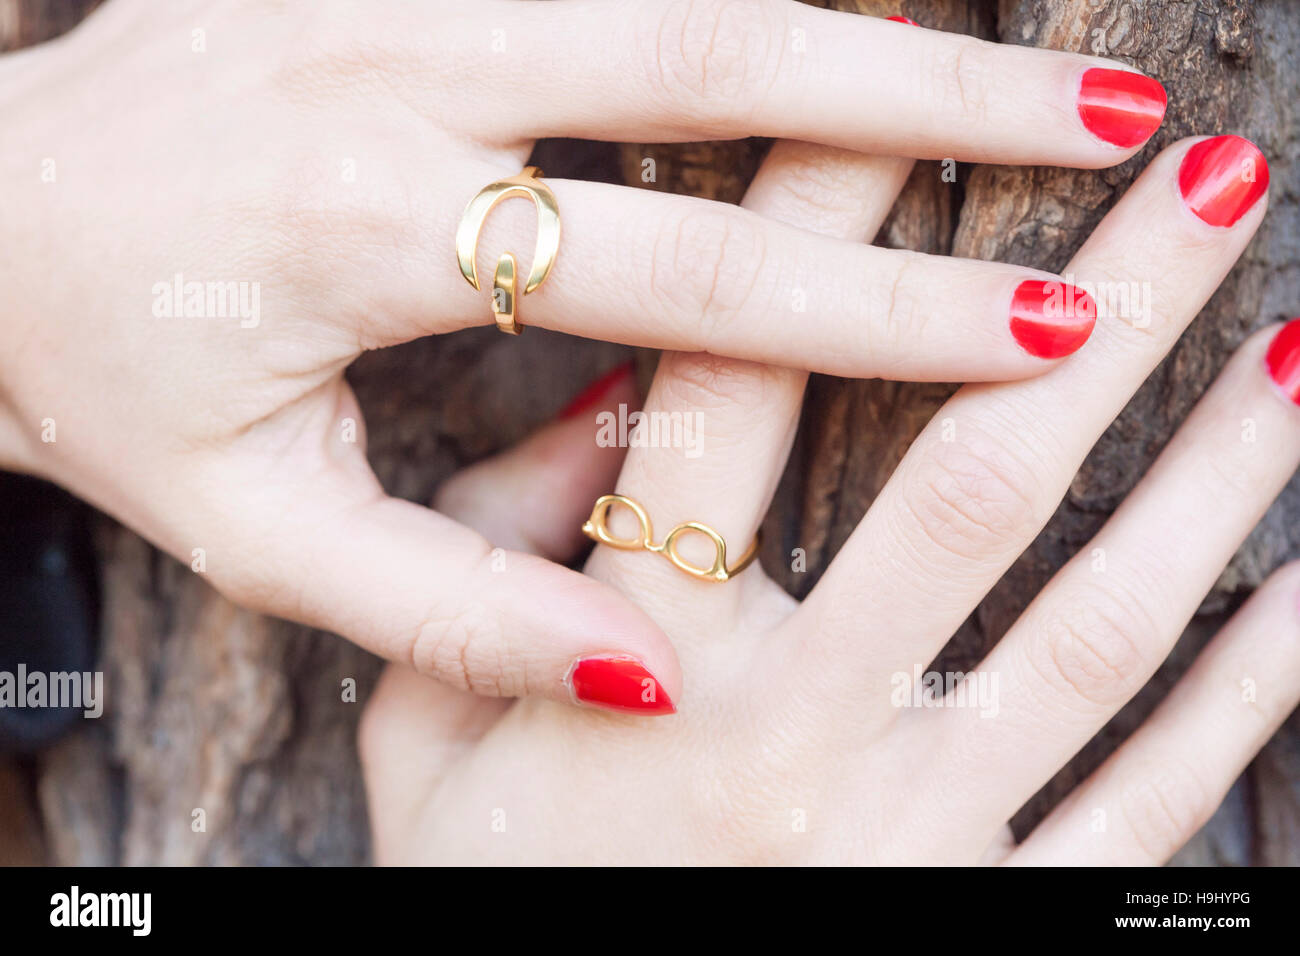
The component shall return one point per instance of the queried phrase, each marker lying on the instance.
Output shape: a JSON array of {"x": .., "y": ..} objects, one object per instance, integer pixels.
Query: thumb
[
  {"x": 530, "y": 498},
  {"x": 415, "y": 586}
]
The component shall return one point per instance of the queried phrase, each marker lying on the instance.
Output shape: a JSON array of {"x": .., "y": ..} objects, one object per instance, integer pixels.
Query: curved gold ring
[
  {"x": 597, "y": 528},
  {"x": 527, "y": 185}
]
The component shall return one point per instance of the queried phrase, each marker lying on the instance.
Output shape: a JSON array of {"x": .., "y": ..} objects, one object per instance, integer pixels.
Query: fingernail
[
  {"x": 903, "y": 20},
  {"x": 591, "y": 396},
  {"x": 1121, "y": 107},
  {"x": 1283, "y": 360},
  {"x": 618, "y": 683},
  {"x": 1221, "y": 178},
  {"x": 1051, "y": 319}
]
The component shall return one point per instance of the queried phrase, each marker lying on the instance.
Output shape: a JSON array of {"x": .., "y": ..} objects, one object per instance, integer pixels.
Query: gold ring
[
  {"x": 596, "y": 528},
  {"x": 527, "y": 185}
]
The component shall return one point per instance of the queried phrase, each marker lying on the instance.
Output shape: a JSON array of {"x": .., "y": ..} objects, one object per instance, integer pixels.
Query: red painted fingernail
[
  {"x": 1051, "y": 319},
  {"x": 619, "y": 683},
  {"x": 591, "y": 396},
  {"x": 1222, "y": 177},
  {"x": 903, "y": 20},
  {"x": 1283, "y": 360},
  {"x": 1121, "y": 107}
]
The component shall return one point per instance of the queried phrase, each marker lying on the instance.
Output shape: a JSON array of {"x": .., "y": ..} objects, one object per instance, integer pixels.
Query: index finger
[{"x": 646, "y": 70}]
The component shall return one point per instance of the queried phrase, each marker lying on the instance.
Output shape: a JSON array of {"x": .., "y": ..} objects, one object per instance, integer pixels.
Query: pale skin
[
  {"x": 325, "y": 151},
  {"x": 786, "y": 746}
]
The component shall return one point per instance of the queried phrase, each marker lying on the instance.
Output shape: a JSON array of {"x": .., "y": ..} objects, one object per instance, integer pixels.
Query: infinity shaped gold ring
[
  {"x": 527, "y": 185},
  {"x": 596, "y": 527}
]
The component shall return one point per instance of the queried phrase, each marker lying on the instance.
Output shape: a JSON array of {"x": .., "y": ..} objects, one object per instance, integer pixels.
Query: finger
[
  {"x": 412, "y": 728},
  {"x": 1154, "y": 793},
  {"x": 414, "y": 586},
  {"x": 741, "y": 416},
  {"x": 982, "y": 479},
  {"x": 690, "y": 275},
  {"x": 534, "y": 496},
  {"x": 709, "y": 69},
  {"x": 1092, "y": 638}
]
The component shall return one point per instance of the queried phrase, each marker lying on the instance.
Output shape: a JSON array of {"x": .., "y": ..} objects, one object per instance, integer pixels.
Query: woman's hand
[
  {"x": 211, "y": 209},
  {"x": 799, "y": 738}
]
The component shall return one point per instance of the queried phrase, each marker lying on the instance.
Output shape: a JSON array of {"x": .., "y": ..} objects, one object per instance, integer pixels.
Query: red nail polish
[
  {"x": 619, "y": 683},
  {"x": 1222, "y": 177},
  {"x": 1283, "y": 360},
  {"x": 903, "y": 20},
  {"x": 1051, "y": 319},
  {"x": 591, "y": 396},
  {"x": 1121, "y": 107}
]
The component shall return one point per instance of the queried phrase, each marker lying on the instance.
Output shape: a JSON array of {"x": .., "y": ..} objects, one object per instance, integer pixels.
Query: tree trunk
[{"x": 214, "y": 709}]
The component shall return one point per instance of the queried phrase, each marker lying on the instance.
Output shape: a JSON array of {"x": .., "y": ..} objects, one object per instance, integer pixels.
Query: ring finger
[
  {"x": 747, "y": 412},
  {"x": 1097, "y": 632}
]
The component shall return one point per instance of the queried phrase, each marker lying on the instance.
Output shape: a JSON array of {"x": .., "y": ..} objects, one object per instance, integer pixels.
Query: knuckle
[
  {"x": 706, "y": 56},
  {"x": 460, "y": 648},
  {"x": 1092, "y": 648},
  {"x": 327, "y": 54},
  {"x": 897, "y": 321},
  {"x": 707, "y": 264},
  {"x": 972, "y": 498},
  {"x": 698, "y": 380},
  {"x": 816, "y": 183},
  {"x": 1165, "y": 807},
  {"x": 958, "y": 73}
]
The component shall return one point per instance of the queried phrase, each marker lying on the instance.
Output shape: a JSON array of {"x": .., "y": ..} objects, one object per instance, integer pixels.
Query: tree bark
[{"x": 214, "y": 709}]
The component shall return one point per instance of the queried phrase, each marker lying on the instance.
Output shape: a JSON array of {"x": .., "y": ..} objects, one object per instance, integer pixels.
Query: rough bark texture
[{"x": 215, "y": 709}]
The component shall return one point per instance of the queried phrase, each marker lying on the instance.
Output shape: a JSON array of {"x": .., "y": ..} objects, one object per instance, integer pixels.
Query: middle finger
[
  {"x": 692, "y": 275},
  {"x": 982, "y": 479}
]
